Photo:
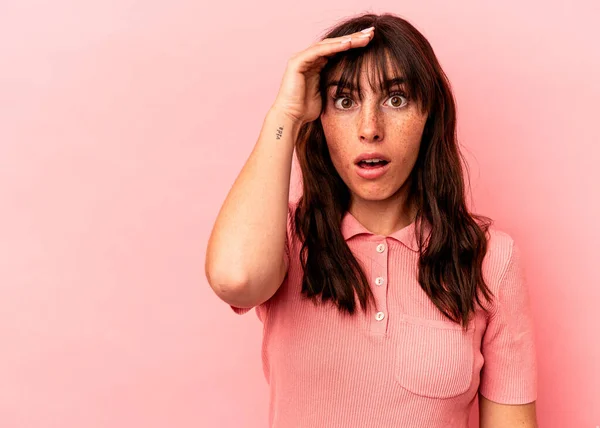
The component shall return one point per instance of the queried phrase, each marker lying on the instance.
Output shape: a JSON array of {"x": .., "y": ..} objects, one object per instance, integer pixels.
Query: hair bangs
[{"x": 387, "y": 65}]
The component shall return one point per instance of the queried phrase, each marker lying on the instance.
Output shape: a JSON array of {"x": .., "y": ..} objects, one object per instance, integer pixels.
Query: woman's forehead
[{"x": 369, "y": 74}]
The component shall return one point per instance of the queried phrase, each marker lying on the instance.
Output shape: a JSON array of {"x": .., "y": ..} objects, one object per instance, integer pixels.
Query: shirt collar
[{"x": 350, "y": 227}]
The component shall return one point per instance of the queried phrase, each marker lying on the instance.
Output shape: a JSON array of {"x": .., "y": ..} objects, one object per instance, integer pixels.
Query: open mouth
[{"x": 372, "y": 164}]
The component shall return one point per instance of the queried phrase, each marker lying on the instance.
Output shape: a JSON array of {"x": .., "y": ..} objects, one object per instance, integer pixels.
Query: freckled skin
[{"x": 382, "y": 123}]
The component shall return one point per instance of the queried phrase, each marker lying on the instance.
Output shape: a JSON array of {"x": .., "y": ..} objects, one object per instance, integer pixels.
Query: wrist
[{"x": 285, "y": 120}]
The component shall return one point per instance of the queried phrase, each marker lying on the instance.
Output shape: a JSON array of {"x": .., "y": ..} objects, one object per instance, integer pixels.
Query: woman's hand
[{"x": 299, "y": 96}]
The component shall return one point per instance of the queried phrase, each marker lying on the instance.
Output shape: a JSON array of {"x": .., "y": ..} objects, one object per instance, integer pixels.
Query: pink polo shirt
[{"x": 403, "y": 364}]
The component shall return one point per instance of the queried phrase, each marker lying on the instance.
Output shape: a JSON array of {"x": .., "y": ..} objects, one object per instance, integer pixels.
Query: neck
[{"x": 383, "y": 217}]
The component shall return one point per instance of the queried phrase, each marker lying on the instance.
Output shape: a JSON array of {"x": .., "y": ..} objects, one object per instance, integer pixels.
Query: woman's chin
[{"x": 371, "y": 195}]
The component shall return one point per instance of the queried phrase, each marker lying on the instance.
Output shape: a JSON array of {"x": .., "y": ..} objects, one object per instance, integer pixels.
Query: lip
[
  {"x": 372, "y": 174},
  {"x": 371, "y": 155}
]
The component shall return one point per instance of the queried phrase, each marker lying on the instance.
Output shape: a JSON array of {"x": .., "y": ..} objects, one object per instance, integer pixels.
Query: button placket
[{"x": 379, "y": 320}]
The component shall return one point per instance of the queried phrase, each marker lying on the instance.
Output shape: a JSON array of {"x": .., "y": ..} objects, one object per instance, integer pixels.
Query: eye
[
  {"x": 343, "y": 97},
  {"x": 396, "y": 95},
  {"x": 346, "y": 101}
]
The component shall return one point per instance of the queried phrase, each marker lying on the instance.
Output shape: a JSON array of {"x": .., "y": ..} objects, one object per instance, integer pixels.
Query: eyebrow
[{"x": 396, "y": 81}]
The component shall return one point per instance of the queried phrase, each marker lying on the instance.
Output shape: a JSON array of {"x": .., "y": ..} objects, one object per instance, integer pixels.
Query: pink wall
[{"x": 123, "y": 125}]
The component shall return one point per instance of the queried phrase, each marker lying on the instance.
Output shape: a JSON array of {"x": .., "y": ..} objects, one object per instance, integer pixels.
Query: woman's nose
[{"x": 370, "y": 126}]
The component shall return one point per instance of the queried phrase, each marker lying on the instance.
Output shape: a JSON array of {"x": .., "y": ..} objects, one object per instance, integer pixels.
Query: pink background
[{"x": 124, "y": 123}]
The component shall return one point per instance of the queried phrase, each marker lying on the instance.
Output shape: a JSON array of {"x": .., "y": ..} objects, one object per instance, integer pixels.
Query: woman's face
[{"x": 385, "y": 123}]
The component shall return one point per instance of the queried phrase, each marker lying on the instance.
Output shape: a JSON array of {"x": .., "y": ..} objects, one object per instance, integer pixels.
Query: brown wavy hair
[{"x": 449, "y": 267}]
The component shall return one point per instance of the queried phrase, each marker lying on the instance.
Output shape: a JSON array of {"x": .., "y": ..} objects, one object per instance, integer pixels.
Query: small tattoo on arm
[{"x": 279, "y": 132}]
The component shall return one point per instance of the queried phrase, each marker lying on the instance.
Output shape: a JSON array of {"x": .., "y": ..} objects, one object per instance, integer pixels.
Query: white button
[
  {"x": 379, "y": 280},
  {"x": 379, "y": 316},
  {"x": 380, "y": 248}
]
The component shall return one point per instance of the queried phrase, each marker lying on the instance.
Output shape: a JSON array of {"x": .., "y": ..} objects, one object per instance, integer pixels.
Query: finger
[
  {"x": 338, "y": 44},
  {"x": 341, "y": 38}
]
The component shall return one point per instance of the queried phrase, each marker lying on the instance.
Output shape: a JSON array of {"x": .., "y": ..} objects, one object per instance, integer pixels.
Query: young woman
[{"x": 385, "y": 302}]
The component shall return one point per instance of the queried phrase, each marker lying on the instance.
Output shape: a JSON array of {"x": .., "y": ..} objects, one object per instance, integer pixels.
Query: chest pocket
[{"x": 434, "y": 358}]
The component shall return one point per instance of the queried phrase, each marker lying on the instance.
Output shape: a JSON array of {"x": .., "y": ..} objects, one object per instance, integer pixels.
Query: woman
[{"x": 385, "y": 302}]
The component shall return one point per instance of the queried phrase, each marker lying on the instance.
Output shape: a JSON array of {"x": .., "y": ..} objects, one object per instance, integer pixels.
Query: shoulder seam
[{"x": 502, "y": 277}]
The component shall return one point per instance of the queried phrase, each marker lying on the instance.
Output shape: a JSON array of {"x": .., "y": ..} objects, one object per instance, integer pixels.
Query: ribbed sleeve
[{"x": 509, "y": 373}]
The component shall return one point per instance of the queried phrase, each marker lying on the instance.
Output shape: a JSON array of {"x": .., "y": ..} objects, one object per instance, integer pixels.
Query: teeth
[{"x": 373, "y": 160}]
